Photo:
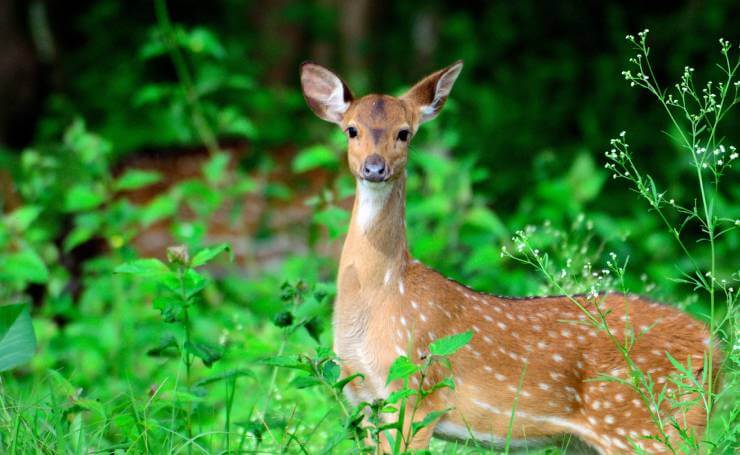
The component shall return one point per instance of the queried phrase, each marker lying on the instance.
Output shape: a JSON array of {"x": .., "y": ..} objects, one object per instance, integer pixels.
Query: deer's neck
[{"x": 375, "y": 252}]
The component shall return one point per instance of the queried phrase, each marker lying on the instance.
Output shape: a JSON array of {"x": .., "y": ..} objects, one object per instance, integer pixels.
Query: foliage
[{"x": 188, "y": 352}]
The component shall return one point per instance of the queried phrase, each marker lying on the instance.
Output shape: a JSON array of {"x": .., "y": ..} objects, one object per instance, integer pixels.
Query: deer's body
[{"x": 536, "y": 355}]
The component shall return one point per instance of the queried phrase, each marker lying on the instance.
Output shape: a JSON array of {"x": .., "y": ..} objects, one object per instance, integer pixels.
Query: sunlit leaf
[
  {"x": 206, "y": 255},
  {"x": 17, "y": 339},
  {"x": 401, "y": 368},
  {"x": 136, "y": 178},
  {"x": 450, "y": 344}
]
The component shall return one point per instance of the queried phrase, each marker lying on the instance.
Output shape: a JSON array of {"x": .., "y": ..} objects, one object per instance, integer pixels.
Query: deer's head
[{"x": 378, "y": 127}]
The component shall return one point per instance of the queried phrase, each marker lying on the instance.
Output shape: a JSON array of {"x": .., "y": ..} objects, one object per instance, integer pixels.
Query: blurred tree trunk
[{"x": 20, "y": 81}]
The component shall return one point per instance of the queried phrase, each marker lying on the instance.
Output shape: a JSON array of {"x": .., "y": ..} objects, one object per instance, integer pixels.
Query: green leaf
[
  {"x": 167, "y": 347},
  {"x": 136, "y": 178},
  {"x": 193, "y": 282},
  {"x": 427, "y": 420},
  {"x": 451, "y": 344},
  {"x": 401, "y": 368},
  {"x": 82, "y": 197},
  {"x": 20, "y": 219},
  {"x": 208, "y": 353},
  {"x": 315, "y": 157},
  {"x": 334, "y": 218},
  {"x": 215, "y": 169},
  {"x": 60, "y": 385},
  {"x": 201, "y": 40},
  {"x": 342, "y": 383},
  {"x": 231, "y": 374},
  {"x": 291, "y": 362},
  {"x": 170, "y": 306},
  {"x": 394, "y": 397},
  {"x": 86, "y": 226},
  {"x": 206, "y": 255},
  {"x": 25, "y": 266},
  {"x": 304, "y": 382},
  {"x": 161, "y": 207},
  {"x": 149, "y": 267},
  {"x": 17, "y": 339},
  {"x": 330, "y": 371}
]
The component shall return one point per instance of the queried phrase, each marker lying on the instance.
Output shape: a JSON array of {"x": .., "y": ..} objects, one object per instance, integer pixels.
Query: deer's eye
[
  {"x": 352, "y": 131},
  {"x": 403, "y": 135}
]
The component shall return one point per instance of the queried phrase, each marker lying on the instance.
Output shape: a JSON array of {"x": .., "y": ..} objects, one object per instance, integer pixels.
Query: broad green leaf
[
  {"x": 427, "y": 420},
  {"x": 315, "y": 157},
  {"x": 25, "y": 266},
  {"x": 206, "y": 255},
  {"x": 136, "y": 178},
  {"x": 82, "y": 197},
  {"x": 401, "y": 368},
  {"x": 215, "y": 169},
  {"x": 61, "y": 385},
  {"x": 148, "y": 267},
  {"x": 20, "y": 219},
  {"x": 330, "y": 371},
  {"x": 161, "y": 207},
  {"x": 17, "y": 339},
  {"x": 208, "y": 353},
  {"x": 451, "y": 344}
]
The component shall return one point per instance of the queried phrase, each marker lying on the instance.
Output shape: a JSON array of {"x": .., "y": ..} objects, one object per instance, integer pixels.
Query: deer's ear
[
  {"x": 326, "y": 94},
  {"x": 430, "y": 94}
]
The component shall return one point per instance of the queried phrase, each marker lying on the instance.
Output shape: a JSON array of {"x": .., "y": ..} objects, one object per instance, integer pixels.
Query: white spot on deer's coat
[
  {"x": 403, "y": 321},
  {"x": 387, "y": 278},
  {"x": 557, "y": 358},
  {"x": 501, "y": 325},
  {"x": 499, "y": 377},
  {"x": 423, "y": 318},
  {"x": 543, "y": 386},
  {"x": 371, "y": 198},
  {"x": 414, "y": 305}
]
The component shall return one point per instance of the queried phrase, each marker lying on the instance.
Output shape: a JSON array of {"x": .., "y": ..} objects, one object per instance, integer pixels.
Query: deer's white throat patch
[{"x": 371, "y": 198}]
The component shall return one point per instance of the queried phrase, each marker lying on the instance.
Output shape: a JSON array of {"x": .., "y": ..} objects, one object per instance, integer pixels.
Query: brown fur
[{"x": 388, "y": 304}]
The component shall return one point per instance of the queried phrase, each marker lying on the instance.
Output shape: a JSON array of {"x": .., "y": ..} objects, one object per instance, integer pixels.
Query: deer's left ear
[{"x": 430, "y": 94}]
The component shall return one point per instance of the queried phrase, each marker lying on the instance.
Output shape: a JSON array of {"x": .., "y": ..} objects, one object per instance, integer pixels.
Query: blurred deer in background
[{"x": 389, "y": 305}]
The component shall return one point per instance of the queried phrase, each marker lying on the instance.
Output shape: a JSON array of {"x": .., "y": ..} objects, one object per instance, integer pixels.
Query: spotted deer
[{"x": 389, "y": 304}]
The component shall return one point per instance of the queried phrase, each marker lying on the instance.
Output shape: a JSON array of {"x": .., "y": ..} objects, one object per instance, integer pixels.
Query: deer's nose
[{"x": 374, "y": 168}]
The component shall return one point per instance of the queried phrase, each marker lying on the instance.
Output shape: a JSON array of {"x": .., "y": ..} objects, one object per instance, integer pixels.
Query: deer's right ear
[{"x": 326, "y": 94}]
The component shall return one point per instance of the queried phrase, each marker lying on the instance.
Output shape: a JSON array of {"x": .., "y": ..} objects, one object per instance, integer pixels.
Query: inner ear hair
[
  {"x": 430, "y": 94},
  {"x": 327, "y": 94}
]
